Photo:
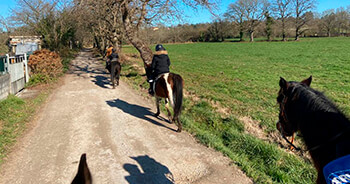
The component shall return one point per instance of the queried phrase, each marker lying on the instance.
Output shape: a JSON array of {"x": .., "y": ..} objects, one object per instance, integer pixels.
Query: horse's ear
[
  {"x": 83, "y": 176},
  {"x": 307, "y": 81},
  {"x": 283, "y": 84}
]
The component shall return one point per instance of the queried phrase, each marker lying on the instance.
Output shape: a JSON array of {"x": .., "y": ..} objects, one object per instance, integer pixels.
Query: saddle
[{"x": 155, "y": 80}]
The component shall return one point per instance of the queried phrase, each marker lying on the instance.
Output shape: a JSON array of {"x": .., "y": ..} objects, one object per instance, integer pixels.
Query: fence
[{"x": 14, "y": 74}]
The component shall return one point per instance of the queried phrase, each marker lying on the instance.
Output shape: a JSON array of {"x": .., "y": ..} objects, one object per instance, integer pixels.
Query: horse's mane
[{"x": 314, "y": 100}]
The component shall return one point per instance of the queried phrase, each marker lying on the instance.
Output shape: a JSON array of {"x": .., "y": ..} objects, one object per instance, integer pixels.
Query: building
[{"x": 24, "y": 44}]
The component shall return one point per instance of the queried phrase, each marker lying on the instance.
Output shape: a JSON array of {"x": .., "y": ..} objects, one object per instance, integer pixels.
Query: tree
[
  {"x": 236, "y": 12},
  {"x": 268, "y": 22},
  {"x": 283, "y": 10},
  {"x": 249, "y": 11},
  {"x": 52, "y": 20},
  {"x": 328, "y": 21},
  {"x": 301, "y": 8},
  {"x": 342, "y": 20},
  {"x": 103, "y": 20},
  {"x": 136, "y": 13},
  {"x": 218, "y": 30},
  {"x": 255, "y": 10}
]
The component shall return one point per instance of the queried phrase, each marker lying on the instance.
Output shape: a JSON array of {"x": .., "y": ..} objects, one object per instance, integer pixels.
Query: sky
[{"x": 202, "y": 15}]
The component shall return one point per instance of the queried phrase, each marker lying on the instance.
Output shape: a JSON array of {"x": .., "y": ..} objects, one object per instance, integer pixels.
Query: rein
[{"x": 285, "y": 118}]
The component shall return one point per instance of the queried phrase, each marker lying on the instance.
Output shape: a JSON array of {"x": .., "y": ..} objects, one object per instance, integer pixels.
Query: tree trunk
[
  {"x": 131, "y": 32},
  {"x": 240, "y": 36},
  {"x": 251, "y": 34},
  {"x": 283, "y": 31},
  {"x": 297, "y": 34},
  {"x": 284, "y": 37}
]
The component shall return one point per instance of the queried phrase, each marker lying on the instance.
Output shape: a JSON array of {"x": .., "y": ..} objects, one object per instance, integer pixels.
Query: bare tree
[
  {"x": 342, "y": 20},
  {"x": 247, "y": 13},
  {"x": 283, "y": 10},
  {"x": 255, "y": 10},
  {"x": 136, "y": 13},
  {"x": 328, "y": 21},
  {"x": 236, "y": 12},
  {"x": 218, "y": 30},
  {"x": 51, "y": 19},
  {"x": 301, "y": 8}
]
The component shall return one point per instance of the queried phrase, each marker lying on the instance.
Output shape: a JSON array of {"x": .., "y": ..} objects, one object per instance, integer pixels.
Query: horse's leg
[
  {"x": 179, "y": 124},
  {"x": 157, "y": 103},
  {"x": 113, "y": 74},
  {"x": 169, "y": 113},
  {"x": 119, "y": 68}
]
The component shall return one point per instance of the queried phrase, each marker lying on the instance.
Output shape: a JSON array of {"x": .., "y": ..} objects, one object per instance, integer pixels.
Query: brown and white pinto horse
[{"x": 170, "y": 86}]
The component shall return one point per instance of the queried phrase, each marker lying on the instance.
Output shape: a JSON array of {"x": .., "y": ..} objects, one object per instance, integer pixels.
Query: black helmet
[
  {"x": 113, "y": 50},
  {"x": 159, "y": 47}
]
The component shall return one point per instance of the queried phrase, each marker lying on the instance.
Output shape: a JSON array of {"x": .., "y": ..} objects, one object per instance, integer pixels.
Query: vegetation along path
[{"x": 123, "y": 141}]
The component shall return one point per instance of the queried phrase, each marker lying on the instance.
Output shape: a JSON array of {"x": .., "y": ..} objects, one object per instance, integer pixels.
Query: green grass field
[{"x": 243, "y": 77}]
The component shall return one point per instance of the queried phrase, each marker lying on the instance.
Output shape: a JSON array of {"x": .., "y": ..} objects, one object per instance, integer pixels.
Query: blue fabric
[{"x": 338, "y": 171}]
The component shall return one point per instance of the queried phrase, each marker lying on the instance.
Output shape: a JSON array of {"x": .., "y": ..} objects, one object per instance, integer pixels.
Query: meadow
[{"x": 227, "y": 81}]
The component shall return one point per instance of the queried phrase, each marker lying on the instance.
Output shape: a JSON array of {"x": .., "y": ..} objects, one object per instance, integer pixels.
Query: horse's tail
[{"x": 177, "y": 94}]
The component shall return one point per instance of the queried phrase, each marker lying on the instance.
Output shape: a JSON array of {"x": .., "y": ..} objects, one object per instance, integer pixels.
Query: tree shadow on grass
[
  {"x": 137, "y": 111},
  {"x": 153, "y": 172}
]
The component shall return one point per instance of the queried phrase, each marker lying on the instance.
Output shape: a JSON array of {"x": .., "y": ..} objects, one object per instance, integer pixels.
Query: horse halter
[
  {"x": 286, "y": 120},
  {"x": 283, "y": 114}
]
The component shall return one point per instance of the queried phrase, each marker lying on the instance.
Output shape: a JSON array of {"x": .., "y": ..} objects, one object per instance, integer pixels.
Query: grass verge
[{"x": 15, "y": 114}]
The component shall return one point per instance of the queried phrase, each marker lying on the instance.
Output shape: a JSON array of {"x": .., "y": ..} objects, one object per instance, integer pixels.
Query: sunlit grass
[{"x": 243, "y": 77}]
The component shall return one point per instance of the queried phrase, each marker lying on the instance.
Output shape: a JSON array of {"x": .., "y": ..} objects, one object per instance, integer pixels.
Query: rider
[
  {"x": 108, "y": 53},
  {"x": 113, "y": 56},
  {"x": 160, "y": 64}
]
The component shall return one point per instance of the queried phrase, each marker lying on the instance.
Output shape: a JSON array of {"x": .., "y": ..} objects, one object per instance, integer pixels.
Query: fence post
[
  {"x": 26, "y": 67},
  {"x": 7, "y": 64}
]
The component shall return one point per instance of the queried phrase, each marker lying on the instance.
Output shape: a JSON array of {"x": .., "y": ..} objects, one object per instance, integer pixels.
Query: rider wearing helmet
[{"x": 160, "y": 64}]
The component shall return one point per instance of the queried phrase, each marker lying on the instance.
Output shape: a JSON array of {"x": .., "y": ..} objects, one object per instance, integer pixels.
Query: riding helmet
[{"x": 159, "y": 47}]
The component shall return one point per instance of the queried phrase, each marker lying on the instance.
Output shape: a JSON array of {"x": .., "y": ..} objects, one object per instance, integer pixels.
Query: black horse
[
  {"x": 324, "y": 128},
  {"x": 114, "y": 68}
]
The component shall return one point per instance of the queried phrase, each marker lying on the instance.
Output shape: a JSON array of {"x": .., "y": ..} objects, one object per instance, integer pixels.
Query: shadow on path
[
  {"x": 153, "y": 172},
  {"x": 137, "y": 111},
  {"x": 101, "y": 81}
]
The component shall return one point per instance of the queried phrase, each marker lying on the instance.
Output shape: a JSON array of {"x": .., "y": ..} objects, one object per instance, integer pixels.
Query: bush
[{"x": 45, "y": 63}]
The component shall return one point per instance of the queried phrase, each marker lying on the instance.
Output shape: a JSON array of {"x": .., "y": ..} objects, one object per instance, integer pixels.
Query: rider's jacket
[{"x": 160, "y": 63}]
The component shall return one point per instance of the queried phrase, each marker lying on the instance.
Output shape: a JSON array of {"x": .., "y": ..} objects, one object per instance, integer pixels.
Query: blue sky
[
  {"x": 201, "y": 15},
  {"x": 205, "y": 16}
]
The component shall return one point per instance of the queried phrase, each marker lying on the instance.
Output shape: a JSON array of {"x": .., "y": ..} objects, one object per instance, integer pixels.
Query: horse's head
[{"x": 286, "y": 97}]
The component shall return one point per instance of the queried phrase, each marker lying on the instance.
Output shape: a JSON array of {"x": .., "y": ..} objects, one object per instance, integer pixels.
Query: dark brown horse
[
  {"x": 324, "y": 128},
  {"x": 170, "y": 86},
  {"x": 83, "y": 176},
  {"x": 114, "y": 69}
]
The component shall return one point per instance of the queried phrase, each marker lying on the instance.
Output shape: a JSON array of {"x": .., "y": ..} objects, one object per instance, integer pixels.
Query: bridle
[{"x": 286, "y": 120}]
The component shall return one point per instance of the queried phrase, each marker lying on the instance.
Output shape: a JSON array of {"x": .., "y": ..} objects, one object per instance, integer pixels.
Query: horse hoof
[
  {"x": 156, "y": 114},
  {"x": 178, "y": 130}
]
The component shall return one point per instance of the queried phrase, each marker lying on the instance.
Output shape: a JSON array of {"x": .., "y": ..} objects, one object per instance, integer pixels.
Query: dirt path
[{"x": 123, "y": 141}]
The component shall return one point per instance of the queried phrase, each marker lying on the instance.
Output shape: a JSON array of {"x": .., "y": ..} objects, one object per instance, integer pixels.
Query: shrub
[{"x": 45, "y": 63}]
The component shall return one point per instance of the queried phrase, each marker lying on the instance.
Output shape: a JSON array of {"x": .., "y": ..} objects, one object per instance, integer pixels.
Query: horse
[
  {"x": 114, "y": 69},
  {"x": 83, "y": 176},
  {"x": 170, "y": 87},
  {"x": 323, "y": 127}
]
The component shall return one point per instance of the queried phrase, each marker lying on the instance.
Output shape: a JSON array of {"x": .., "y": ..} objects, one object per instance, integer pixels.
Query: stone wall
[{"x": 4, "y": 86}]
